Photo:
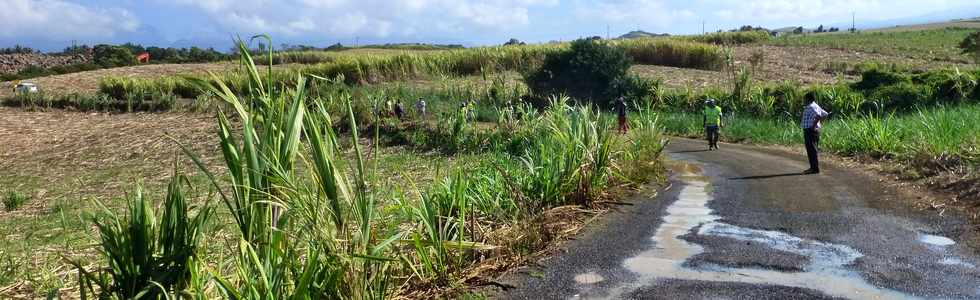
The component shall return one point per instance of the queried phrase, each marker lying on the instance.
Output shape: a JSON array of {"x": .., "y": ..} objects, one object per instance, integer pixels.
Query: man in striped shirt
[{"x": 812, "y": 115}]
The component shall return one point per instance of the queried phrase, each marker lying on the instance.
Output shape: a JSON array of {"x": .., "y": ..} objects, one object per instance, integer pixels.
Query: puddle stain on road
[
  {"x": 936, "y": 240},
  {"x": 825, "y": 272}
]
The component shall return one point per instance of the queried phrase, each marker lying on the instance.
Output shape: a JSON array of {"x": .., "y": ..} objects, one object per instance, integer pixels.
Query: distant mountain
[{"x": 640, "y": 34}]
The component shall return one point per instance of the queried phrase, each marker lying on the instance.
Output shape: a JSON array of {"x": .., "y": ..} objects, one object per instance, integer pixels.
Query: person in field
[
  {"x": 712, "y": 123},
  {"x": 812, "y": 115},
  {"x": 399, "y": 110},
  {"x": 420, "y": 108},
  {"x": 621, "y": 113}
]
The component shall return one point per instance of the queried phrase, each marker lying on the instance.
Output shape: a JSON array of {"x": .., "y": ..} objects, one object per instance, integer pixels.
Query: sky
[{"x": 54, "y": 24}]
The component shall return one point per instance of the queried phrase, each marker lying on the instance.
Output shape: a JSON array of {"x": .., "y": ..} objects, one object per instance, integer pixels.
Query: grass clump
[
  {"x": 150, "y": 255},
  {"x": 13, "y": 200},
  {"x": 733, "y": 38}
]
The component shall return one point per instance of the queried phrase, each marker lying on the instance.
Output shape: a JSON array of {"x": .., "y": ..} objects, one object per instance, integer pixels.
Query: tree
[
  {"x": 589, "y": 70},
  {"x": 819, "y": 29},
  {"x": 110, "y": 56},
  {"x": 798, "y": 30},
  {"x": 514, "y": 42},
  {"x": 971, "y": 46}
]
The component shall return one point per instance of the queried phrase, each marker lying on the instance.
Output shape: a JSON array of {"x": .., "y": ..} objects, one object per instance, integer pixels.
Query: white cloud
[
  {"x": 56, "y": 20},
  {"x": 824, "y": 10},
  {"x": 367, "y": 18}
]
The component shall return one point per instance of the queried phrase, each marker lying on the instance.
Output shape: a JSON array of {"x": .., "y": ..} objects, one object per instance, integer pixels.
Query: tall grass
[
  {"x": 150, "y": 255},
  {"x": 732, "y": 38},
  {"x": 311, "y": 223},
  {"x": 939, "y": 132},
  {"x": 371, "y": 68},
  {"x": 673, "y": 53}
]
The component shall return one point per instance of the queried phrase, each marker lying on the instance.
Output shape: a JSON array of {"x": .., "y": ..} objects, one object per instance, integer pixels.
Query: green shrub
[
  {"x": 949, "y": 85},
  {"x": 590, "y": 70},
  {"x": 878, "y": 77},
  {"x": 14, "y": 200},
  {"x": 110, "y": 56},
  {"x": 903, "y": 96},
  {"x": 971, "y": 46}
]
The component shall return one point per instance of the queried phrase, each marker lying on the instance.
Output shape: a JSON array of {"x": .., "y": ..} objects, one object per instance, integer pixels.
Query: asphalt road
[{"x": 740, "y": 223}]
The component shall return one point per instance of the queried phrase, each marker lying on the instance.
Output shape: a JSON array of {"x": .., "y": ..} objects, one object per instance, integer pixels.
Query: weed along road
[{"x": 739, "y": 223}]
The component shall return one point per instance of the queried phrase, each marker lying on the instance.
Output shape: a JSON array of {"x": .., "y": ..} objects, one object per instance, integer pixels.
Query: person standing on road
[
  {"x": 812, "y": 115},
  {"x": 621, "y": 113},
  {"x": 712, "y": 123}
]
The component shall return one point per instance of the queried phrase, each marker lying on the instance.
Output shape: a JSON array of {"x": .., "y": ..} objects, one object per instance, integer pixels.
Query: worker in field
[
  {"x": 399, "y": 110},
  {"x": 812, "y": 115},
  {"x": 621, "y": 109},
  {"x": 712, "y": 122},
  {"x": 420, "y": 108}
]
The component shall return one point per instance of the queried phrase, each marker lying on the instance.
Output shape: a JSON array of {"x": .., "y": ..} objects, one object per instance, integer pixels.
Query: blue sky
[{"x": 53, "y": 24}]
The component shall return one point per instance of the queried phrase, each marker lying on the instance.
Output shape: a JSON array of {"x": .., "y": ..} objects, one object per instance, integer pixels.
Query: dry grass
[
  {"x": 88, "y": 82},
  {"x": 66, "y": 147}
]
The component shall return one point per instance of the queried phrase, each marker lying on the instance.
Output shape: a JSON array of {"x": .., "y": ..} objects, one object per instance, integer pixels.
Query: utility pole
[
  {"x": 607, "y": 31},
  {"x": 853, "y": 22},
  {"x": 702, "y": 27}
]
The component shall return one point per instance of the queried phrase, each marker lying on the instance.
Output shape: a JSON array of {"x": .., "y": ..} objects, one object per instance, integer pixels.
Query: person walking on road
[
  {"x": 712, "y": 123},
  {"x": 812, "y": 115},
  {"x": 621, "y": 113}
]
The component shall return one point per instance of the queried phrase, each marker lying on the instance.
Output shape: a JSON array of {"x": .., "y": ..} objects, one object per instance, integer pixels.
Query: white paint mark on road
[
  {"x": 936, "y": 240},
  {"x": 826, "y": 272},
  {"x": 953, "y": 261},
  {"x": 589, "y": 278}
]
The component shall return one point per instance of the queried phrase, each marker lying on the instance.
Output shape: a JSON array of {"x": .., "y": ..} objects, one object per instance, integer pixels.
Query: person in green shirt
[{"x": 712, "y": 122}]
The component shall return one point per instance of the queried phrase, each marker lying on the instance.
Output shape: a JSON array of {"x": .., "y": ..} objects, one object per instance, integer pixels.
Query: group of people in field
[
  {"x": 713, "y": 122},
  {"x": 397, "y": 110}
]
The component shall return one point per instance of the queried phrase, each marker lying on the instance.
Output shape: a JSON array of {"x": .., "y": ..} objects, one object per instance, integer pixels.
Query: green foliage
[
  {"x": 933, "y": 44},
  {"x": 733, "y": 38},
  {"x": 971, "y": 46},
  {"x": 150, "y": 254},
  {"x": 589, "y": 70},
  {"x": 109, "y": 56},
  {"x": 928, "y": 134},
  {"x": 14, "y": 200},
  {"x": 878, "y": 77},
  {"x": 673, "y": 53}
]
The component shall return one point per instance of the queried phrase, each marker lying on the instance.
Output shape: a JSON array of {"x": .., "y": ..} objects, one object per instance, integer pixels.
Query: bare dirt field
[
  {"x": 59, "y": 154},
  {"x": 88, "y": 82}
]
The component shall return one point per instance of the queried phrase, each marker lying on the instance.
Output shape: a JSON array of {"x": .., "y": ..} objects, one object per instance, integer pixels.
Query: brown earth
[
  {"x": 88, "y": 82},
  {"x": 60, "y": 155}
]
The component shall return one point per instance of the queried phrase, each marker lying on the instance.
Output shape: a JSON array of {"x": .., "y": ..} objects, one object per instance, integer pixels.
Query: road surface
[{"x": 740, "y": 223}]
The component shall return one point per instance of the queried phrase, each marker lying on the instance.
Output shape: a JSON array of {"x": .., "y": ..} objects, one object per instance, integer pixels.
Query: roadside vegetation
[
  {"x": 302, "y": 202},
  {"x": 318, "y": 192}
]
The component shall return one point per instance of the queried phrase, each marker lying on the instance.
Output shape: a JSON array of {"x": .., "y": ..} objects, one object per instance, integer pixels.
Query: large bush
[
  {"x": 877, "y": 77},
  {"x": 113, "y": 56},
  {"x": 589, "y": 70},
  {"x": 971, "y": 46}
]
